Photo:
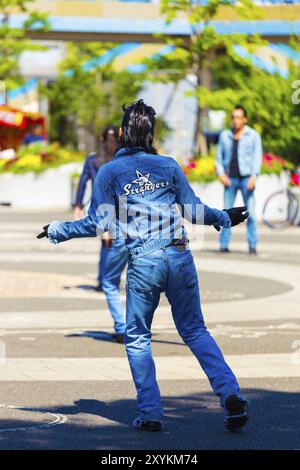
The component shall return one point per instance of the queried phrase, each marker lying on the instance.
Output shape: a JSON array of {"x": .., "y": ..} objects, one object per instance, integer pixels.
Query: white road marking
[{"x": 58, "y": 419}]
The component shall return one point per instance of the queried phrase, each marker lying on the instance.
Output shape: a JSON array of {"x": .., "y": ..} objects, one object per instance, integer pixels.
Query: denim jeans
[
  {"x": 230, "y": 193},
  {"x": 116, "y": 260},
  {"x": 102, "y": 262},
  {"x": 173, "y": 272}
]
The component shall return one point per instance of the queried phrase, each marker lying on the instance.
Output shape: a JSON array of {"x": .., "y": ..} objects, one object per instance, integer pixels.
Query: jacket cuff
[
  {"x": 220, "y": 170},
  {"x": 227, "y": 221},
  {"x": 53, "y": 232}
]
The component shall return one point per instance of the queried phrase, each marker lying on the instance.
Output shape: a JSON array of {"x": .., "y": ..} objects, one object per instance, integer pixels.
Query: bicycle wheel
[{"x": 280, "y": 209}]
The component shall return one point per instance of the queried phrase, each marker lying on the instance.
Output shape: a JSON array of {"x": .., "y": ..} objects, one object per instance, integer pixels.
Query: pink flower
[
  {"x": 295, "y": 179},
  {"x": 271, "y": 158}
]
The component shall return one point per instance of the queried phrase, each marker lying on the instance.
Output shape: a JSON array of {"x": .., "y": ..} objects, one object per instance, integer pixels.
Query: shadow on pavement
[
  {"x": 104, "y": 336},
  {"x": 192, "y": 422},
  {"x": 97, "y": 335},
  {"x": 85, "y": 287}
]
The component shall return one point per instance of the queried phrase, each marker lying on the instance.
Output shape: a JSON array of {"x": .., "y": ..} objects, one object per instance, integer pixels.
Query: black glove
[
  {"x": 44, "y": 233},
  {"x": 236, "y": 216}
]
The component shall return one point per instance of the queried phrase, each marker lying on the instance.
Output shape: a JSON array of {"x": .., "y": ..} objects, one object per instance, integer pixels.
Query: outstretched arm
[{"x": 100, "y": 215}]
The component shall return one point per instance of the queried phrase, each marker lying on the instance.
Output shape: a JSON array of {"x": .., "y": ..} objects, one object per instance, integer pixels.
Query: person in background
[
  {"x": 35, "y": 135},
  {"x": 108, "y": 147},
  {"x": 238, "y": 164},
  {"x": 113, "y": 256}
]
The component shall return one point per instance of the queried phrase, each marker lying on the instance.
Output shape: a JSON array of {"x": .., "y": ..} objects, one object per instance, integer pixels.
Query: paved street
[{"x": 65, "y": 385}]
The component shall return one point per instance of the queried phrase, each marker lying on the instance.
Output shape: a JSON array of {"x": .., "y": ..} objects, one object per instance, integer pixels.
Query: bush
[
  {"x": 273, "y": 164},
  {"x": 203, "y": 169},
  {"x": 39, "y": 157}
]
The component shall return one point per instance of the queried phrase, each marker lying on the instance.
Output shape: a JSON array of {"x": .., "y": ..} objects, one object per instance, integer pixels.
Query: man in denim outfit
[
  {"x": 139, "y": 183},
  {"x": 238, "y": 162}
]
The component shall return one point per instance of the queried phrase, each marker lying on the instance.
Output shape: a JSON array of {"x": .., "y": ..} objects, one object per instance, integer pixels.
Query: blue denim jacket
[
  {"x": 136, "y": 183},
  {"x": 249, "y": 152}
]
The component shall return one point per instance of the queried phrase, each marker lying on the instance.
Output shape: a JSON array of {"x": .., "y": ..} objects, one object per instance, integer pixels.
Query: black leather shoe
[
  {"x": 150, "y": 426},
  {"x": 236, "y": 416},
  {"x": 118, "y": 338},
  {"x": 98, "y": 288},
  {"x": 224, "y": 250}
]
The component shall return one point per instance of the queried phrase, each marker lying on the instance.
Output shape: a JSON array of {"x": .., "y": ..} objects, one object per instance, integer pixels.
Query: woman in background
[
  {"x": 108, "y": 147},
  {"x": 113, "y": 256}
]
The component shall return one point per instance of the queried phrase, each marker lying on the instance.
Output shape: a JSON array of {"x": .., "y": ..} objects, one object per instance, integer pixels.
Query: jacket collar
[
  {"x": 246, "y": 131},
  {"x": 127, "y": 151}
]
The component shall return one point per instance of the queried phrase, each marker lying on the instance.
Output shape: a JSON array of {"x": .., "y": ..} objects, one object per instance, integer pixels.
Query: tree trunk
[
  {"x": 199, "y": 140},
  {"x": 200, "y": 143}
]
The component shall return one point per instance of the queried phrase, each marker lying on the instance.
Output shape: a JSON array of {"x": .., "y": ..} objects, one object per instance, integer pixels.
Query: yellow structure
[{"x": 115, "y": 9}]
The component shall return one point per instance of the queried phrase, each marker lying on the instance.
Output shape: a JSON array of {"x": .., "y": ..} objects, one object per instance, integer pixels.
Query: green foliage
[
  {"x": 196, "y": 53},
  {"x": 89, "y": 98},
  {"x": 38, "y": 157},
  {"x": 13, "y": 41},
  {"x": 267, "y": 98}
]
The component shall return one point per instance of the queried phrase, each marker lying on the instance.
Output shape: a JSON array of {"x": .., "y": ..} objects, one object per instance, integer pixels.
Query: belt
[{"x": 180, "y": 242}]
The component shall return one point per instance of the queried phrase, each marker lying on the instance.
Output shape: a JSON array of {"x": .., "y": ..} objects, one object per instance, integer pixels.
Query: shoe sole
[
  {"x": 236, "y": 423},
  {"x": 150, "y": 427}
]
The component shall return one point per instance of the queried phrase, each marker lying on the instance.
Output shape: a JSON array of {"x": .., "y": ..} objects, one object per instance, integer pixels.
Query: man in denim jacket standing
[
  {"x": 136, "y": 196},
  {"x": 238, "y": 164}
]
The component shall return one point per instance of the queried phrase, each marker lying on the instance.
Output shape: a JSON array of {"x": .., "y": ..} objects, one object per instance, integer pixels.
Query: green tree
[
  {"x": 14, "y": 41},
  {"x": 88, "y": 94},
  {"x": 267, "y": 98},
  {"x": 196, "y": 53}
]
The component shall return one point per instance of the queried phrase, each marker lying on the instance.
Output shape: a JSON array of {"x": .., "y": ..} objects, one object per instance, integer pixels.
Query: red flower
[
  {"x": 295, "y": 178},
  {"x": 268, "y": 157}
]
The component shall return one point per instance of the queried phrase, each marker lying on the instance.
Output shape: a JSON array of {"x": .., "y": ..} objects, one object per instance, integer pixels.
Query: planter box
[{"x": 51, "y": 189}]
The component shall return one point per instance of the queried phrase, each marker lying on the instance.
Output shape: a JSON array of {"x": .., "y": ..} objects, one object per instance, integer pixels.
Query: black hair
[
  {"x": 110, "y": 130},
  {"x": 239, "y": 106},
  {"x": 138, "y": 126},
  {"x": 107, "y": 144}
]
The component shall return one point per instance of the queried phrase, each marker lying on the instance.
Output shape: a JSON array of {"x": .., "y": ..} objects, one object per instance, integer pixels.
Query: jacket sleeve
[
  {"x": 220, "y": 153},
  {"x": 192, "y": 208},
  {"x": 257, "y": 155},
  {"x": 100, "y": 217},
  {"x": 85, "y": 176}
]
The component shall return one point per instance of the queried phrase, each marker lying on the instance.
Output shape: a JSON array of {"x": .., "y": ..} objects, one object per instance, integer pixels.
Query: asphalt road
[{"x": 66, "y": 385}]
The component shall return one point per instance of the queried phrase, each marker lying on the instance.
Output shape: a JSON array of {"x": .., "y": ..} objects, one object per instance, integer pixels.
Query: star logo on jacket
[
  {"x": 142, "y": 180},
  {"x": 144, "y": 184}
]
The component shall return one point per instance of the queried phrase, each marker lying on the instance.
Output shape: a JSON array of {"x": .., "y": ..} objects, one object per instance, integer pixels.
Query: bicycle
[{"x": 281, "y": 208}]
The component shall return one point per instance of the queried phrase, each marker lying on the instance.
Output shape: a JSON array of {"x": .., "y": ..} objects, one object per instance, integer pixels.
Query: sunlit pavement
[{"x": 66, "y": 385}]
